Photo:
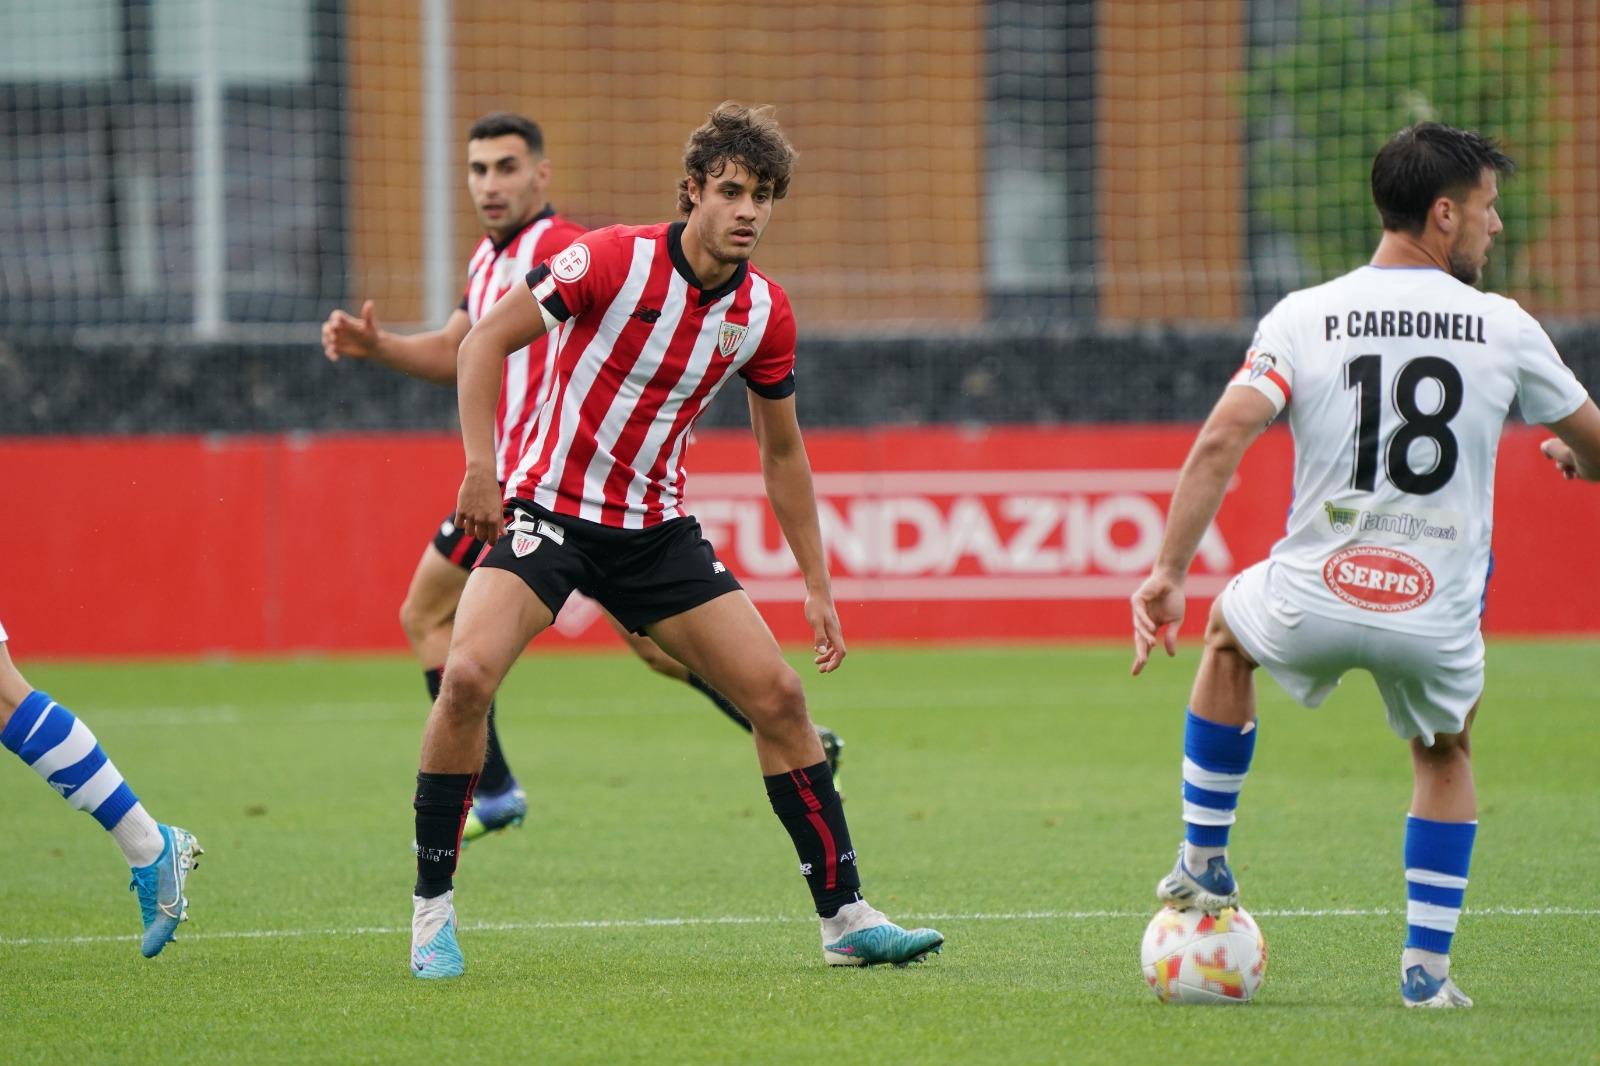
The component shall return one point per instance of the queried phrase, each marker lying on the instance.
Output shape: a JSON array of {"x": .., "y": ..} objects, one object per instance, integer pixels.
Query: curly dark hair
[{"x": 735, "y": 133}]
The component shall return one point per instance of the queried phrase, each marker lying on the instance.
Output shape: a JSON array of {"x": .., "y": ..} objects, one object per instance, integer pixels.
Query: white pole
[
  {"x": 210, "y": 238},
  {"x": 439, "y": 283}
]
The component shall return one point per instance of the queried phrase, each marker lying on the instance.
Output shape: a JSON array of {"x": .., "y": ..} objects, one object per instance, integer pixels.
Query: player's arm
[
  {"x": 1234, "y": 424},
  {"x": 1575, "y": 448},
  {"x": 787, "y": 473},
  {"x": 514, "y": 322},
  {"x": 430, "y": 356}
]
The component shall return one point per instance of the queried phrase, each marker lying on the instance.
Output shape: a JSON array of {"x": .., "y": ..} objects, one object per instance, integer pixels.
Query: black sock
[
  {"x": 495, "y": 777},
  {"x": 723, "y": 704},
  {"x": 442, "y": 802},
  {"x": 809, "y": 808}
]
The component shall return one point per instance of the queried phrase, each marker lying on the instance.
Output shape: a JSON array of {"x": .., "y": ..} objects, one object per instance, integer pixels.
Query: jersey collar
[
  {"x": 680, "y": 263},
  {"x": 546, "y": 212}
]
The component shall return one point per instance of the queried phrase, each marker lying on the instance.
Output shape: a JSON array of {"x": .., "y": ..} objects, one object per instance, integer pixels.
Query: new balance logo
[
  {"x": 645, "y": 314},
  {"x": 718, "y": 568},
  {"x": 805, "y": 869}
]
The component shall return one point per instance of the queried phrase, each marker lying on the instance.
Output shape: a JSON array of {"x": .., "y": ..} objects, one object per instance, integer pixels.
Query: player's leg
[
  {"x": 1219, "y": 737},
  {"x": 1431, "y": 693},
  {"x": 498, "y": 615},
  {"x": 726, "y": 641},
  {"x": 1439, "y": 835},
  {"x": 427, "y": 616},
  {"x": 429, "y": 610},
  {"x": 60, "y": 748}
]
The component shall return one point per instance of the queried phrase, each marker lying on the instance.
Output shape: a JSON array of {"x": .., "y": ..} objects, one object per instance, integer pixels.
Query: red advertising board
[{"x": 143, "y": 546}]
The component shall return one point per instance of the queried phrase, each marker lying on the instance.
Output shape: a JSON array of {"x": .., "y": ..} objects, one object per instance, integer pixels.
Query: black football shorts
[
  {"x": 455, "y": 545},
  {"x": 639, "y": 575}
]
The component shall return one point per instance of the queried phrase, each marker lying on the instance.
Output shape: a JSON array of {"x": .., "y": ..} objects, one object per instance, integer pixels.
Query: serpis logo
[{"x": 1378, "y": 579}]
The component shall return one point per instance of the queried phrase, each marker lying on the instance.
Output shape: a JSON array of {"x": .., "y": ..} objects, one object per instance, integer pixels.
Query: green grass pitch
[{"x": 1023, "y": 801}]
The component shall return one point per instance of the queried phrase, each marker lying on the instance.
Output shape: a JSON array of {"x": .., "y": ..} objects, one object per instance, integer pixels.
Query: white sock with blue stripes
[{"x": 63, "y": 751}]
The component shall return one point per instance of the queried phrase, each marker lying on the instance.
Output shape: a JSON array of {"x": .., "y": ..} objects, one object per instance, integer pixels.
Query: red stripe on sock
[
  {"x": 803, "y": 783},
  {"x": 466, "y": 809},
  {"x": 830, "y": 852}
]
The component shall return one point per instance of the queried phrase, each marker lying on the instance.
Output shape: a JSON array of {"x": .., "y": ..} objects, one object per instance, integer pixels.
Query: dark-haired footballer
[
  {"x": 1398, "y": 378},
  {"x": 596, "y": 503}
]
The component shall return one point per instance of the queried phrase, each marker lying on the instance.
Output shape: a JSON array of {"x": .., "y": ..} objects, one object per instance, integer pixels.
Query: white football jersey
[{"x": 1398, "y": 382}]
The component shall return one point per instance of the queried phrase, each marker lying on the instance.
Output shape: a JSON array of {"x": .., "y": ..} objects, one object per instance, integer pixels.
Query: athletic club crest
[
  {"x": 524, "y": 544},
  {"x": 729, "y": 337}
]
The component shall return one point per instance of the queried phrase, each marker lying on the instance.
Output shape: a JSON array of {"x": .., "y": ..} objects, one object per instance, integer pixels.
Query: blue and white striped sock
[
  {"x": 1437, "y": 857},
  {"x": 1215, "y": 761},
  {"x": 63, "y": 751}
]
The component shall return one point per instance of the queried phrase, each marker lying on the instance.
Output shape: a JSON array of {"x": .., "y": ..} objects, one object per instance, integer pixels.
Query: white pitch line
[{"x": 657, "y": 923}]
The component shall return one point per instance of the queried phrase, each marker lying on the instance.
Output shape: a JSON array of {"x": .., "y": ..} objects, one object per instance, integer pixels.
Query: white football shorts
[{"x": 1428, "y": 684}]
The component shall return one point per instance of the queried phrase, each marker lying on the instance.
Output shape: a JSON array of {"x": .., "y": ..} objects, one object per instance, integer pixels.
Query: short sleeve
[
  {"x": 585, "y": 274},
  {"x": 1547, "y": 390},
  {"x": 770, "y": 372},
  {"x": 1269, "y": 364}
]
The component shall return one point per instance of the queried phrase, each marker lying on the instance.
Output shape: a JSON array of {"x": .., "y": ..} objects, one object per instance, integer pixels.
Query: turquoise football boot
[
  {"x": 159, "y": 886},
  {"x": 860, "y": 935},
  {"x": 435, "y": 952}
]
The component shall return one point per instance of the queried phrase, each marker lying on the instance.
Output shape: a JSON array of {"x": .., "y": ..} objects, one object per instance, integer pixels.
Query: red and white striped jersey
[
  {"x": 643, "y": 351},
  {"x": 494, "y": 270}
]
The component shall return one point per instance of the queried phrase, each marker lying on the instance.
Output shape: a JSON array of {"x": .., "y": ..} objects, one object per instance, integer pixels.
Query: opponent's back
[{"x": 1398, "y": 382}]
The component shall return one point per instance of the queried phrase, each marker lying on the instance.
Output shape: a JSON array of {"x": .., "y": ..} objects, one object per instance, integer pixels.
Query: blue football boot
[
  {"x": 159, "y": 886},
  {"x": 1419, "y": 988},
  {"x": 1210, "y": 890},
  {"x": 490, "y": 814}
]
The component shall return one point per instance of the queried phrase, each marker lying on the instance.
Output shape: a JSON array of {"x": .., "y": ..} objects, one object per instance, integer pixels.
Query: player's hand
[
  {"x": 479, "y": 506},
  {"x": 1558, "y": 453},
  {"x": 345, "y": 335},
  {"x": 827, "y": 637},
  {"x": 1157, "y": 614}
]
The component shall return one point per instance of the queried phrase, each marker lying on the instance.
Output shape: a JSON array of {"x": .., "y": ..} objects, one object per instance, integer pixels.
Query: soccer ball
[{"x": 1193, "y": 957}]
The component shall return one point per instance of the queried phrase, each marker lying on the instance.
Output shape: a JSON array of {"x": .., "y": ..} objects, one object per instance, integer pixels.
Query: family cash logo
[{"x": 1341, "y": 519}]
